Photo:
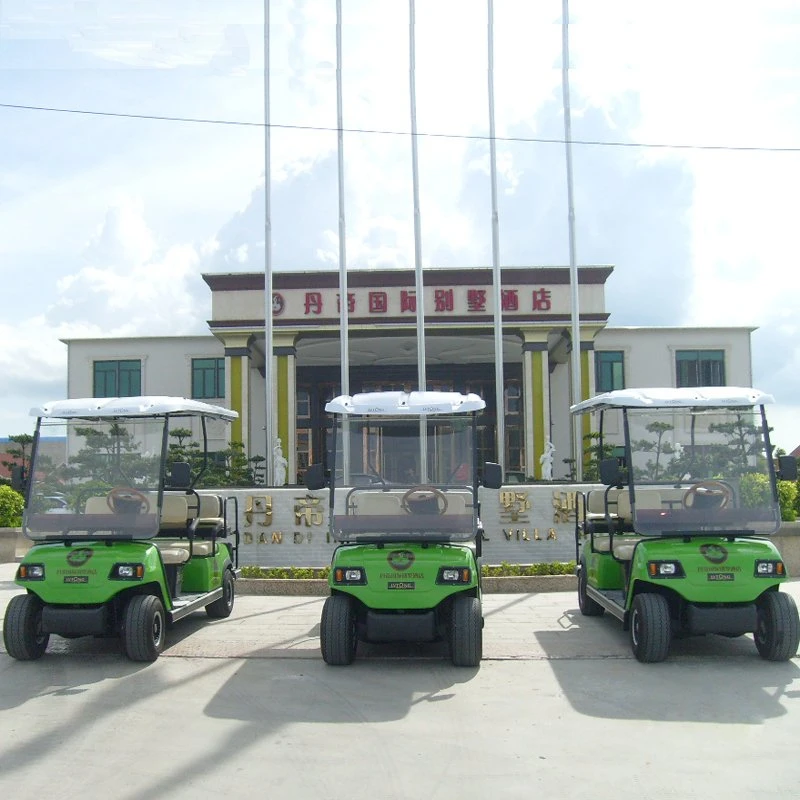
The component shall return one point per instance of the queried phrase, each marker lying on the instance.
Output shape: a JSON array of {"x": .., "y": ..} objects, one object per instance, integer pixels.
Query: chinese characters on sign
[
  {"x": 307, "y": 512},
  {"x": 515, "y": 508},
  {"x": 445, "y": 301}
]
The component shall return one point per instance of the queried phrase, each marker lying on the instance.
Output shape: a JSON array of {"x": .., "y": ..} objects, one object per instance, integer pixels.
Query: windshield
[
  {"x": 106, "y": 483},
  {"x": 405, "y": 479},
  {"x": 696, "y": 471}
]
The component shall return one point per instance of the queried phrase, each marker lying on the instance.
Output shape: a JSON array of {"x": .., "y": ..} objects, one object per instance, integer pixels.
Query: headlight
[
  {"x": 30, "y": 572},
  {"x": 665, "y": 569},
  {"x": 127, "y": 572},
  {"x": 770, "y": 569},
  {"x": 454, "y": 575},
  {"x": 349, "y": 575}
]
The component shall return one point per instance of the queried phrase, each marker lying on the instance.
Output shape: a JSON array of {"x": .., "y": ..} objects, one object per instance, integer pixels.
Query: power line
[{"x": 383, "y": 132}]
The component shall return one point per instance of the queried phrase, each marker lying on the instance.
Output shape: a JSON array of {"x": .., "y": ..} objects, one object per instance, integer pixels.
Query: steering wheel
[
  {"x": 126, "y": 500},
  {"x": 721, "y": 493},
  {"x": 417, "y": 499}
]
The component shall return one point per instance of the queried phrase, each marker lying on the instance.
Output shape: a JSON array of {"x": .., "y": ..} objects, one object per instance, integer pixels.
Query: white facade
[
  {"x": 649, "y": 360},
  {"x": 166, "y": 368}
]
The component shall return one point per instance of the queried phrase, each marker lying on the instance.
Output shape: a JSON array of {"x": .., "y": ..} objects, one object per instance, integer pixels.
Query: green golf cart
[
  {"x": 133, "y": 546},
  {"x": 676, "y": 543},
  {"x": 403, "y": 496}
]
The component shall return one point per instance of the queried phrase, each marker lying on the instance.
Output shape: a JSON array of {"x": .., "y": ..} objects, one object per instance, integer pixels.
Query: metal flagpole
[
  {"x": 496, "y": 274},
  {"x": 577, "y": 449},
  {"x": 343, "y": 308},
  {"x": 421, "y": 376},
  {"x": 269, "y": 392}
]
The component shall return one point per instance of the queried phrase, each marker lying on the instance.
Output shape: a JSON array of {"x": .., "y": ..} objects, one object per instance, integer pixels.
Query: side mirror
[
  {"x": 315, "y": 477},
  {"x": 180, "y": 475},
  {"x": 492, "y": 475},
  {"x": 18, "y": 478},
  {"x": 612, "y": 473},
  {"x": 787, "y": 468}
]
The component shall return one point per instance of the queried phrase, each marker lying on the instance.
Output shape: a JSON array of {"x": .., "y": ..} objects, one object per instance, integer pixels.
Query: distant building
[{"x": 227, "y": 366}]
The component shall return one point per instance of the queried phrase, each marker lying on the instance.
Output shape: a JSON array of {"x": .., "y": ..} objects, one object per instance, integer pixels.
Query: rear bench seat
[
  {"x": 626, "y": 540},
  {"x": 176, "y": 515},
  {"x": 382, "y": 503}
]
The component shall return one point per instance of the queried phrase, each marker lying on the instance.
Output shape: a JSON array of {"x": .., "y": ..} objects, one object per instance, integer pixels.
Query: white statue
[
  {"x": 546, "y": 460},
  {"x": 279, "y": 464}
]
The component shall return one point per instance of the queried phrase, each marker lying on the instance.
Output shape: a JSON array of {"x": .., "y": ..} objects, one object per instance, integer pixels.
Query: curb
[{"x": 314, "y": 587}]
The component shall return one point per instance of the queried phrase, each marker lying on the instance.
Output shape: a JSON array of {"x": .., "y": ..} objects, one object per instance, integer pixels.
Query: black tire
[
  {"x": 650, "y": 627},
  {"x": 466, "y": 633},
  {"x": 144, "y": 628},
  {"x": 220, "y": 609},
  {"x": 337, "y": 636},
  {"x": 588, "y": 607},
  {"x": 22, "y": 628},
  {"x": 777, "y": 633}
]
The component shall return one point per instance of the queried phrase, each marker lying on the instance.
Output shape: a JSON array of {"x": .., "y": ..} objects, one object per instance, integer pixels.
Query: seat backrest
[
  {"x": 645, "y": 498},
  {"x": 596, "y": 501},
  {"x": 457, "y": 504},
  {"x": 174, "y": 511},
  {"x": 97, "y": 505},
  {"x": 377, "y": 503},
  {"x": 210, "y": 506}
]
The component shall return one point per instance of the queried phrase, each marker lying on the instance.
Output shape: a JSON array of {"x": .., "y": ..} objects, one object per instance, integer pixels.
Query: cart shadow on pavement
[
  {"x": 704, "y": 678},
  {"x": 269, "y": 697}
]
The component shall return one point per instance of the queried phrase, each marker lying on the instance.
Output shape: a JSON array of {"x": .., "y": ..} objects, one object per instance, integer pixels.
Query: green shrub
[
  {"x": 11, "y": 505},
  {"x": 505, "y": 569},
  {"x": 754, "y": 491},
  {"x": 302, "y": 573},
  {"x": 787, "y": 497}
]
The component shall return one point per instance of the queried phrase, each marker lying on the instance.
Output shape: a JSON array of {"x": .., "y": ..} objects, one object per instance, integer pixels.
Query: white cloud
[{"x": 158, "y": 202}]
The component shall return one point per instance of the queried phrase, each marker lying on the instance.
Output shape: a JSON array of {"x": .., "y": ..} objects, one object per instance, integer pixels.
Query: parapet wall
[{"x": 524, "y": 524}]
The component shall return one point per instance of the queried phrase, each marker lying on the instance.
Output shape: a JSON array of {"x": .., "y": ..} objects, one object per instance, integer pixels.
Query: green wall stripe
[
  {"x": 537, "y": 399},
  {"x": 586, "y": 419},
  {"x": 236, "y": 398},
  {"x": 283, "y": 403}
]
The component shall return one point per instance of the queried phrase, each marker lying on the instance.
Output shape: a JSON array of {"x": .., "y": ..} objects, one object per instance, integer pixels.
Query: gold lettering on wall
[
  {"x": 259, "y": 508},
  {"x": 308, "y": 510},
  {"x": 564, "y": 504},
  {"x": 521, "y": 535},
  {"x": 514, "y": 506}
]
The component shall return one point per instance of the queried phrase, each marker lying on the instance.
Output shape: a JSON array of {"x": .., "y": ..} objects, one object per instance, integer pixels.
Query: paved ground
[{"x": 558, "y": 708}]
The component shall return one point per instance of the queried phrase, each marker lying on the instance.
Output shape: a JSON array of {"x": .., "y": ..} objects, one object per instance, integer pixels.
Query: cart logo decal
[
  {"x": 720, "y": 576},
  {"x": 79, "y": 556},
  {"x": 400, "y": 559},
  {"x": 714, "y": 553},
  {"x": 401, "y": 585},
  {"x": 76, "y": 579}
]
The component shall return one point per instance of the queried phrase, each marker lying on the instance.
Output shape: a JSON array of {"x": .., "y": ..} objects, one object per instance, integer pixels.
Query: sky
[{"x": 132, "y": 148}]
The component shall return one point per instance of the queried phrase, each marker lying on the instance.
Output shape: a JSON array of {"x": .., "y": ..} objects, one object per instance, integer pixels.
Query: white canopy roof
[
  {"x": 99, "y": 407},
  {"x": 405, "y": 403},
  {"x": 667, "y": 397}
]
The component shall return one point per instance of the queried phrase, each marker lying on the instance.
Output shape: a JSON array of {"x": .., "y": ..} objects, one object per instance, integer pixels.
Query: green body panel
[
  {"x": 92, "y": 562},
  {"x": 205, "y": 574},
  {"x": 603, "y": 571},
  {"x": 716, "y": 570},
  {"x": 411, "y": 565}
]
